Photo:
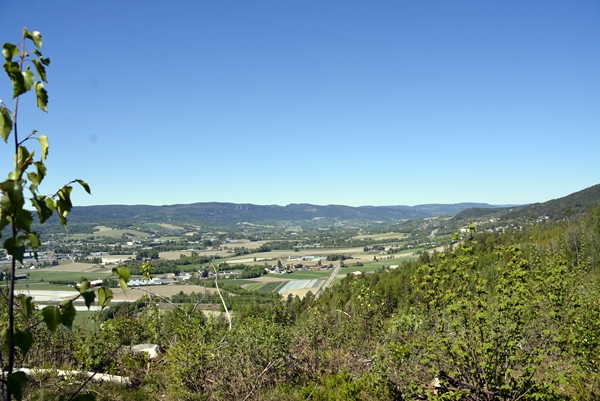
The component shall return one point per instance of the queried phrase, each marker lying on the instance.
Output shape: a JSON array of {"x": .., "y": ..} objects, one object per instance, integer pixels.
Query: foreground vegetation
[
  {"x": 501, "y": 316},
  {"x": 511, "y": 315}
]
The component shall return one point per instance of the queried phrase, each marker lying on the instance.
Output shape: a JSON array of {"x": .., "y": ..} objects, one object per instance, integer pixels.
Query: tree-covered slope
[{"x": 574, "y": 203}]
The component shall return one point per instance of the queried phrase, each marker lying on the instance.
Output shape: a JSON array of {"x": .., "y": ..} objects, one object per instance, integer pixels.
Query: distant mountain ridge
[
  {"x": 232, "y": 213},
  {"x": 224, "y": 213}
]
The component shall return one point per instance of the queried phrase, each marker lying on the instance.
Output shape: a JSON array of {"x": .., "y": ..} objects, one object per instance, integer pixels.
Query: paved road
[{"x": 329, "y": 281}]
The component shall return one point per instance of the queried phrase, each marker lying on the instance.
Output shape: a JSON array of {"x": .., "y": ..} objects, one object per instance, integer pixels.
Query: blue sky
[{"x": 324, "y": 102}]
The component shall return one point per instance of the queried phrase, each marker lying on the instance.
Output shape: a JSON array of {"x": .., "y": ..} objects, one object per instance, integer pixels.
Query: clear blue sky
[{"x": 324, "y": 102}]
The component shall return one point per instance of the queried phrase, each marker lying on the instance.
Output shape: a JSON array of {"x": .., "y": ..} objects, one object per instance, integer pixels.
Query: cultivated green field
[
  {"x": 253, "y": 287},
  {"x": 239, "y": 282},
  {"x": 308, "y": 274},
  {"x": 43, "y": 275},
  {"x": 188, "y": 268},
  {"x": 337, "y": 280},
  {"x": 273, "y": 286}
]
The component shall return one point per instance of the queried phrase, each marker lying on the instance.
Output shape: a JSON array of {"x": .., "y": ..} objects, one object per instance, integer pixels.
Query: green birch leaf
[
  {"x": 24, "y": 158},
  {"x": 41, "y": 170},
  {"x": 23, "y": 219},
  {"x": 15, "y": 247},
  {"x": 6, "y": 124},
  {"x": 123, "y": 284},
  {"x": 43, "y": 140},
  {"x": 89, "y": 298},
  {"x": 3, "y": 221},
  {"x": 68, "y": 313},
  {"x": 50, "y": 204},
  {"x": 14, "y": 73},
  {"x": 13, "y": 195},
  {"x": 26, "y": 305},
  {"x": 41, "y": 204},
  {"x": 9, "y": 51},
  {"x": 41, "y": 70},
  {"x": 105, "y": 295},
  {"x": 37, "y": 178},
  {"x": 35, "y": 181},
  {"x": 83, "y": 287},
  {"x": 85, "y": 186},
  {"x": 41, "y": 96},
  {"x": 34, "y": 36},
  {"x": 52, "y": 317},
  {"x": 13, "y": 189},
  {"x": 34, "y": 240},
  {"x": 122, "y": 272},
  {"x": 16, "y": 383},
  {"x": 63, "y": 203},
  {"x": 23, "y": 340},
  {"x": 27, "y": 79}
]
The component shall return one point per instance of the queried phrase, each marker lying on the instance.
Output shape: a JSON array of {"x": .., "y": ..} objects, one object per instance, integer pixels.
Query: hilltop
[{"x": 554, "y": 209}]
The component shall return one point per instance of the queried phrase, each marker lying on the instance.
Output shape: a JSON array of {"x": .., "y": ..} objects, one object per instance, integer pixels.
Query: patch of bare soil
[
  {"x": 79, "y": 267},
  {"x": 166, "y": 291}
]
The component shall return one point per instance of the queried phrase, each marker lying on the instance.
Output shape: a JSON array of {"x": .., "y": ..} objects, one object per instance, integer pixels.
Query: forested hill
[
  {"x": 574, "y": 203},
  {"x": 231, "y": 213}
]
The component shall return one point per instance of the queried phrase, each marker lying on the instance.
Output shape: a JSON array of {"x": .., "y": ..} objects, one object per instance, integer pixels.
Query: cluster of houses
[
  {"x": 168, "y": 279},
  {"x": 291, "y": 267}
]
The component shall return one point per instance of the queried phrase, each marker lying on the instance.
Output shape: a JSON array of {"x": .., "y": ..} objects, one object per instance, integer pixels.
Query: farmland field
[
  {"x": 312, "y": 285},
  {"x": 103, "y": 231},
  {"x": 273, "y": 286},
  {"x": 253, "y": 287},
  {"x": 382, "y": 236},
  {"x": 48, "y": 275},
  {"x": 309, "y": 274},
  {"x": 239, "y": 282}
]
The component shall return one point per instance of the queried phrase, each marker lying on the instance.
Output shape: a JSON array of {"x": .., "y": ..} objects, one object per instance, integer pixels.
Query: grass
[
  {"x": 308, "y": 274},
  {"x": 254, "y": 287},
  {"x": 337, "y": 280},
  {"x": 236, "y": 282},
  {"x": 188, "y": 268},
  {"x": 45, "y": 275}
]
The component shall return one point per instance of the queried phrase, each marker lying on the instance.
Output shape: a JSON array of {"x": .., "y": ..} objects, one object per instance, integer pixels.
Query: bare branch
[
  {"x": 219, "y": 291},
  {"x": 258, "y": 378}
]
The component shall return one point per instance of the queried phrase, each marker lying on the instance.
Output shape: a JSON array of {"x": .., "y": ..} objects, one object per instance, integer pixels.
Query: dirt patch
[
  {"x": 299, "y": 292},
  {"x": 244, "y": 243},
  {"x": 166, "y": 291},
  {"x": 271, "y": 278},
  {"x": 170, "y": 226},
  {"x": 79, "y": 267}
]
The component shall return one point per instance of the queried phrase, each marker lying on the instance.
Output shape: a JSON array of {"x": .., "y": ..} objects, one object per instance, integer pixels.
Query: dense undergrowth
[{"x": 500, "y": 316}]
